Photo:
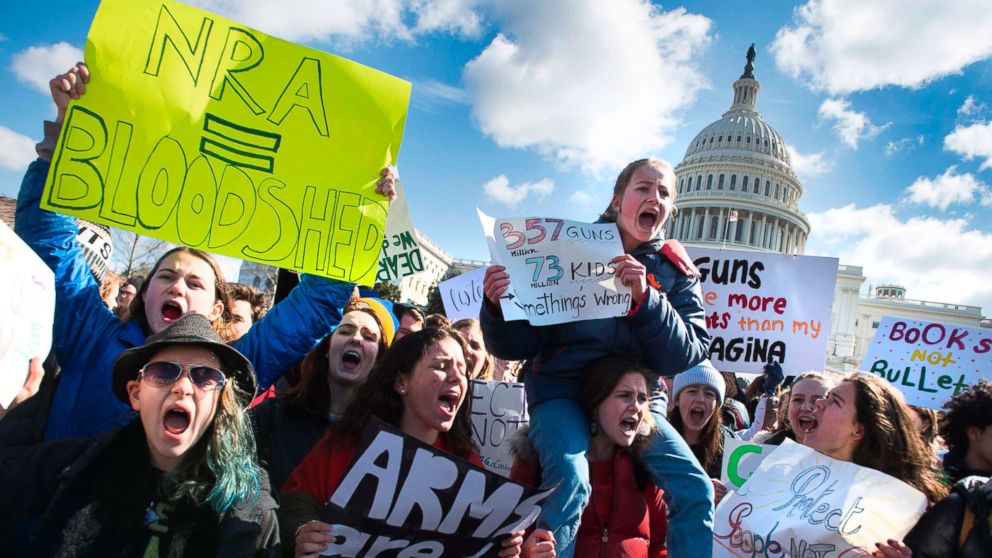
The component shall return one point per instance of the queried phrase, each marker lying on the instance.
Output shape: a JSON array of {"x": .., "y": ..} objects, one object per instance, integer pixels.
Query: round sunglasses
[{"x": 164, "y": 373}]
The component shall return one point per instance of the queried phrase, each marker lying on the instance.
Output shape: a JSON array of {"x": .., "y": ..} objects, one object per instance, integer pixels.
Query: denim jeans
[{"x": 559, "y": 430}]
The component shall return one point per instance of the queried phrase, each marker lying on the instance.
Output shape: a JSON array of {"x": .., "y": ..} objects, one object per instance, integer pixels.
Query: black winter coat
[
  {"x": 937, "y": 533},
  {"x": 93, "y": 496}
]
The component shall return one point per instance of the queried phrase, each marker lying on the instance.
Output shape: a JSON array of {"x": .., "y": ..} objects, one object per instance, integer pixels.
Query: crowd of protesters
[{"x": 144, "y": 432}]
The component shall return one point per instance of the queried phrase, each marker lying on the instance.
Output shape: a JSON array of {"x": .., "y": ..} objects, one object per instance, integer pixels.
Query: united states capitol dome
[{"x": 735, "y": 185}]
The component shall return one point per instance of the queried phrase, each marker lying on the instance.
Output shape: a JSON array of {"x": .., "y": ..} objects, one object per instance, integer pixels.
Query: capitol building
[{"x": 736, "y": 188}]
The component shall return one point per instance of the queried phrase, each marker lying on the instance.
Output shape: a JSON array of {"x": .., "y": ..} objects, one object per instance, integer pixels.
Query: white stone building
[
  {"x": 437, "y": 262},
  {"x": 741, "y": 164}
]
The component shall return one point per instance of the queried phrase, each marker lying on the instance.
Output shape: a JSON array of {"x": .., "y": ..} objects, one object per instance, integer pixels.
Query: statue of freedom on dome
[{"x": 749, "y": 68}]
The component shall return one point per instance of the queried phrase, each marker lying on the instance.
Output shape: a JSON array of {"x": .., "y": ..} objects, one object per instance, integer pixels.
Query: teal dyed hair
[{"x": 222, "y": 469}]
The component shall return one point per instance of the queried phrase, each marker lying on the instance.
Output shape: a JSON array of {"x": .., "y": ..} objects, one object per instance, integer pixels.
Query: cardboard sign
[
  {"x": 462, "y": 295},
  {"x": 929, "y": 361},
  {"x": 400, "y": 249},
  {"x": 802, "y": 503},
  {"x": 499, "y": 409},
  {"x": 200, "y": 131},
  {"x": 762, "y": 307},
  {"x": 27, "y": 307},
  {"x": 400, "y": 494},
  {"x": 740, "y": 459},
  {"x": 560, "y": 270}
]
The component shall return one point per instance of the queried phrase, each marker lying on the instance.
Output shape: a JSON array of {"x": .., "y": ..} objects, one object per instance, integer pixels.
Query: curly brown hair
[
  {"x": 255, "y": 298},
  {"x": 378, "y": 397},
  {"x": 969, "y": 408},
  {"x": 891, "y": 443}
]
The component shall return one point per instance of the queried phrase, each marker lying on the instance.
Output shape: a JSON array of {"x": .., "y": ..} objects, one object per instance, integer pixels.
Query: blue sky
[{"x": 532, "y": 107}]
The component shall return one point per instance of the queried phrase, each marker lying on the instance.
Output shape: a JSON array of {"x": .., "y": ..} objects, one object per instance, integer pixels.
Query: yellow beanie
[{"x": 383, "y": 315}]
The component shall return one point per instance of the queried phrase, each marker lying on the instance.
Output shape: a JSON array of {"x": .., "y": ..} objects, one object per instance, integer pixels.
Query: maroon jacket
[{"x": 635, "y": 519}]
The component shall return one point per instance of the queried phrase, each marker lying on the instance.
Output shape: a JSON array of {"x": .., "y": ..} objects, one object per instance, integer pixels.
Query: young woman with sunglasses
[
  {"x": 88, "y": 337},
  {"x": 180, "y": 480}
]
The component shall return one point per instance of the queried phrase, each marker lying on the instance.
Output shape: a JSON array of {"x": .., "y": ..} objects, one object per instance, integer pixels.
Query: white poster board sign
[
  {"x": 27, "y": 310},
  {"x": 740, "y": 460},
  {"x": 801, "y": 503},
  {"x": 762, "y": 307},
  {"x": 499, "y": 409},
  {"x": 462, "y": 294},
  {"x": 400, "y": 250},
  {"x": 929, "y": 361},
  {"x": 560, "y": 271}
]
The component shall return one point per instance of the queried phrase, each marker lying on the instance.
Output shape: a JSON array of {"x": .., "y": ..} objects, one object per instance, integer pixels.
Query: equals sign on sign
[{"x": 238, "y": 145}]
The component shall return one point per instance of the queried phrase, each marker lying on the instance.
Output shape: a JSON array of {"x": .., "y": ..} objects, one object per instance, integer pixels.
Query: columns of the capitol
[
  {"x": 747, "y": 227},
  {"x": 721, "y": 228}
]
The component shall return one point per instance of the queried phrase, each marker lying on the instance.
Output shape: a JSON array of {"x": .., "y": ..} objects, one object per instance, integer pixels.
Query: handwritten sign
[
  {"x": 27, "y": 304},
  {"x": 740, "y": 459},
  {"x": 200, "y": 131},
  {"x": 400, "y": 249},
  {"x": 462, "y": 295},
  {"x": 762, "y": 307},
  {"x": 802, "y": 503},
  {"x": 401, "y": 494},
  {"x": 929, "y": 361},
  {"x": 560, "y": 270},
  {"x": 499, "y": 409}
]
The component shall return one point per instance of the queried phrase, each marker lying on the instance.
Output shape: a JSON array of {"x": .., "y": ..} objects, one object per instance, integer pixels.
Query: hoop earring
[{"x": 675, "y": 212}]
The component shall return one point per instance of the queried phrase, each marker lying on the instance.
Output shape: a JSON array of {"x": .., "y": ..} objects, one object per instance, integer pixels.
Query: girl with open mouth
[
  {"x": 865, "y": 421},
  {"x": 420, "y": 386},
  {"x": 626, "y": 516},
  {"x": 288, "y": 424},
  {"x": 800, "y": 400},
  {"x": 698, "y": 394},
  {"x": 665, "y": 330},
  {"x": 180, "y": 480}
]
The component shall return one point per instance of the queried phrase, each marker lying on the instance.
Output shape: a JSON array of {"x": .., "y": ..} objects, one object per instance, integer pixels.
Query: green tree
[
  {"x": 434, "y": 303},
  {"x": 387, "y": 291}
]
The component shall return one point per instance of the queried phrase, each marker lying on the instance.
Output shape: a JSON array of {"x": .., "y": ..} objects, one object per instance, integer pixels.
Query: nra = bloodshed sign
[
  {"x": 201, "y": 131},
  {"x": 402, "y": 498},
  {"x": 560, "y": 271}
]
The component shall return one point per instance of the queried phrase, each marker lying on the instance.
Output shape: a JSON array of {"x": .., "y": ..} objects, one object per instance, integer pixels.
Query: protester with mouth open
[
  {"x": 288, "y": 425},
  {"x": 88, "y": 337},
  {"x": 419, "y": 386},
  {"x": 626, "y": 516},
  {"x": 664, "y": 330},
  {"x": 698, "y": 394},
  {"x": 800, "y": 400},
  {"x": 179, "y": 480},
  {"x": 865, "y": 421}
]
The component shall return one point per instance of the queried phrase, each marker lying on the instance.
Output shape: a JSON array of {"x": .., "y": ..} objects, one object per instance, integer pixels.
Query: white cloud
[
  {"x": 842, "y": 46},
  {"x": 580, "y": 197},
  {"x": 36, "y": 65},
  {"x": 851, "y": 126},
  {"x": 16, "y": 151},
  {"x": 349, "y": 22},
  {"x": 809, "y": 165},
  {"x": 949, "y": 188},
  {"x": 903, "y": 144},
  {"x": 971, "y": 107},
  {"x": 601, "y": 89},
  {"x": 458, "y": 17},
  {"x": 971, "y": 142},
  {"x": 938, "y": 260},
  {"x": 443, "y": 91},
  {"x": 500, "y": 191}
]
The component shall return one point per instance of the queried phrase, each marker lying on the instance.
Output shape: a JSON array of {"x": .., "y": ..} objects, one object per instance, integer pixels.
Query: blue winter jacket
[
  {"x": 666, "y": 332},
  {"x": 87, "y": 337}
]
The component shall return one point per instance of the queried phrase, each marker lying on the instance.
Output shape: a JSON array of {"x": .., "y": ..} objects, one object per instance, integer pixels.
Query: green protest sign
[{"x": 206, "y": 133}]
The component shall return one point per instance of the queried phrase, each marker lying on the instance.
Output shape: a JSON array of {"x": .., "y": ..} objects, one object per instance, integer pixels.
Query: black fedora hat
[{"x": 191, "y": 329}]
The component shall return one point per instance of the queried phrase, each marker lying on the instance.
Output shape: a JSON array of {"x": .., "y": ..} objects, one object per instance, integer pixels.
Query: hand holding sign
[
  {"x": 562, "y": 270},
  {"x": 70, "y": 85}
]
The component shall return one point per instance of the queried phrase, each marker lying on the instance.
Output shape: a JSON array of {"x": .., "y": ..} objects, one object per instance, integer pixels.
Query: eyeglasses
[{"x": 165, "y": 373}]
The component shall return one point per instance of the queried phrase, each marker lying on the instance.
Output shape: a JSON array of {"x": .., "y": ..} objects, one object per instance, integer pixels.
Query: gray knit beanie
[{"x": 703, "y": 374}]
